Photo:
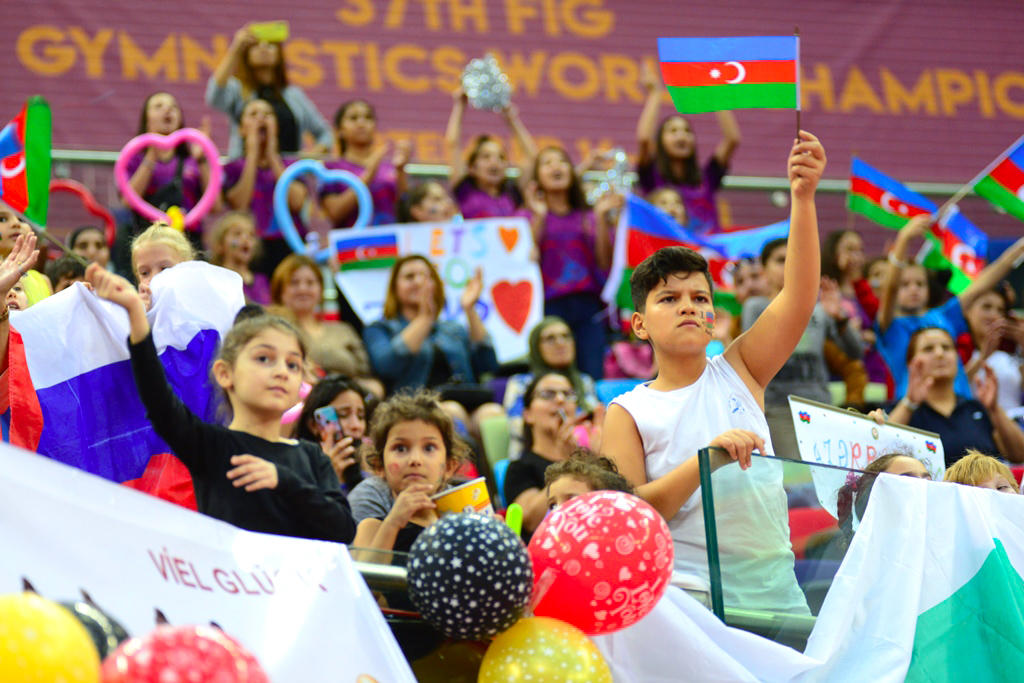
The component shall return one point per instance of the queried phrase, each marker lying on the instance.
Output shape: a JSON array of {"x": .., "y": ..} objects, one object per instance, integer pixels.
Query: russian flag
[{"x": 71, "y": 390}]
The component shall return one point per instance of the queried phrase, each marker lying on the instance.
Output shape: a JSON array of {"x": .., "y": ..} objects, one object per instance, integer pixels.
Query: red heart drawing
[
  {"x": 513, "y": 301},
  {"x": 509, "y": 237}
]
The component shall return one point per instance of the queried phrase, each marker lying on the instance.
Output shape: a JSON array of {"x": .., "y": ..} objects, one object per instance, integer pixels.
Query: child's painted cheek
[
  {"x": 709, "y": 322},
  {"x": 394, "y": 468}
]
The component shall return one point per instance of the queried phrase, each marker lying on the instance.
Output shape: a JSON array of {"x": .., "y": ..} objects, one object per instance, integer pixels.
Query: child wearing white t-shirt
[{"x": 654, "y": 432}]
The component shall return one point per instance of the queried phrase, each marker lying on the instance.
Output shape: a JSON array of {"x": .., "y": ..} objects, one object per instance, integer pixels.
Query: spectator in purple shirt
[
  {"x": 163, "y": 177},
  {"x": 249, "y": 182},
  {"x": 575, "y": 247},
  {"x": 363, "y": 153},
  {"x": 667, "y": 157},
  {"x": 479, "y": 180}
]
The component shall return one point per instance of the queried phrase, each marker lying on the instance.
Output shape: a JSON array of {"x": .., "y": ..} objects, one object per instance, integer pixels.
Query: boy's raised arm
[{"x": 763, "y": 349}]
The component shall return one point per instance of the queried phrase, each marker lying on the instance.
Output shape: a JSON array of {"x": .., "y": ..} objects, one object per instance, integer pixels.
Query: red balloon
[
  {"x": 89, "y": 203},
  {"x": 600, "y": 562},
  {"x": 182, "y": 653}
]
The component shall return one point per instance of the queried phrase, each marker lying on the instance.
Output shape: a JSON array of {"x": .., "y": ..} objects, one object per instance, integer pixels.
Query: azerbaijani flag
[
  {"x": 72, "y": 395},
  {"x": 747, "y": 242},
  {"x": 1002, "y": 183},
  {"x": 644, "y": 228},
  {"x": 25, "y": 161},
  {"x": 882, "y": 199},
  {"x": 367, "y": 249},
  {"x": 712, "y": 74},
  {"x": 960, "y": 245}
]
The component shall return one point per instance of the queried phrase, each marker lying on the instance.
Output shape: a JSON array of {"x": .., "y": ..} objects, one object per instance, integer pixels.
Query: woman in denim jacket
[{"x": 410, "y": 348}]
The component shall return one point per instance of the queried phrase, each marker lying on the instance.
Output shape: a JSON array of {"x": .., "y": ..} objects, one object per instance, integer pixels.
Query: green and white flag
[{"x": 930, "y": 590}]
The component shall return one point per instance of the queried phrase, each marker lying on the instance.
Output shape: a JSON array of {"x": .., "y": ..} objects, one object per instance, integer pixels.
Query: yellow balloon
[
  {"x": 542, "y": 650},
  {"x": 40, "y": 642},
  {"x": 177, "y": 217}
]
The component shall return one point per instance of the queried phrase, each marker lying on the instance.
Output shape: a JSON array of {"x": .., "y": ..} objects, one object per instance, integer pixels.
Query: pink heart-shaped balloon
[{"x": 140, "y": 143}]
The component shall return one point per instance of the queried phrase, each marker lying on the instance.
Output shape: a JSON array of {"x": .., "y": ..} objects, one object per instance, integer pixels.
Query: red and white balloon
[{"x": 601, "y": 561}]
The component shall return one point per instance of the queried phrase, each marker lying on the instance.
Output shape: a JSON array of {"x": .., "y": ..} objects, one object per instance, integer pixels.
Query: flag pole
[
  {"x": 45, "y": 234},
  {"x": 796, "y": 32},
  {"x": 41, "y": 231}
]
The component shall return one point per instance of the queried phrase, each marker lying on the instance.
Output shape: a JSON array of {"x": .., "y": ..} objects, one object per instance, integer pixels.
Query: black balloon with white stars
[{"x": 470, "y": 576}]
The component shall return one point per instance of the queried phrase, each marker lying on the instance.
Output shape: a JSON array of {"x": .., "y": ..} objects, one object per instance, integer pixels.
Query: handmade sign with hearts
[
  {"x": 513, "y": 301},
  {"x": 323, "y": 175},
  {"x": 138, "y": 145},
  {"x": 509, "y": 237},
  {"x": 510, "y": 302}
]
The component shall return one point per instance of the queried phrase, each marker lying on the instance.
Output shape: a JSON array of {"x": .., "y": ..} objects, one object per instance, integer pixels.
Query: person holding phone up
[
  {"x": 254, "y": 68},
  {"x": 335, "y": 416}
]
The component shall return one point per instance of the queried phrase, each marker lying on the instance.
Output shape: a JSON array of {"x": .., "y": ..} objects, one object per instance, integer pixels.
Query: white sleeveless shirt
[{"x": 751, "y": 512}]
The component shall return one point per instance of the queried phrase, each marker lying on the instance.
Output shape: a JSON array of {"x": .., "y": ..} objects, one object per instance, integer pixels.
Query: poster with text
[
  {"x": 512, "y": 301},
  {"x": 298, "y": 605},
  {"x": 842, "y": 438}
]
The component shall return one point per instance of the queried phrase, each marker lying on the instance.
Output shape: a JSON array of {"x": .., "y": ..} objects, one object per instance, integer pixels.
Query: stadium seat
[
  {"x": 607, "y": 389},
  {"x": 500, "y": 468},
  {"x": 494, "y": 434}
]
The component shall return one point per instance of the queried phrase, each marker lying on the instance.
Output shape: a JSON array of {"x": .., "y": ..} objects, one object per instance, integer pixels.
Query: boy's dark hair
[
  {"x": 770, "y": 246},
  {"x": 657, "y": 268},
  {"x": 599, "y": 472},
  {"x": 65, "y": 266}
]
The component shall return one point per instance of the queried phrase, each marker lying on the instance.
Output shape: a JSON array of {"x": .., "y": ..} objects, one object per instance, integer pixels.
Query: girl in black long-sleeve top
[{"x": 245, "y": 473}]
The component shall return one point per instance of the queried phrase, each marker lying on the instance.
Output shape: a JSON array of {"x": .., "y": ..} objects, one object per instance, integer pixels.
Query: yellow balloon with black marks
[{"x": 41, "y": 642}]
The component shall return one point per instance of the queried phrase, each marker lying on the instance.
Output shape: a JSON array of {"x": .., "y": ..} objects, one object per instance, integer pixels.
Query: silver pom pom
[
  {"x": 485, "y": 85},
  {"x": 616, "y": 178}
]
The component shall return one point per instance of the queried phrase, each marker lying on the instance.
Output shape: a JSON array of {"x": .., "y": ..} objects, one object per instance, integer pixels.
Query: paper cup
[{"x": 469, "y": 497}]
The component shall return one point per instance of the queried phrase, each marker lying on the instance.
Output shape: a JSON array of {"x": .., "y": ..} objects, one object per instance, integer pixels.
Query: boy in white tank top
[{"x": 653, "y": 433}]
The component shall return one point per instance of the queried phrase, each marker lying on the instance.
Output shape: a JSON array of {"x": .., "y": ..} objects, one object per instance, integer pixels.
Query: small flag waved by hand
[{"x": 713, "y": 74}]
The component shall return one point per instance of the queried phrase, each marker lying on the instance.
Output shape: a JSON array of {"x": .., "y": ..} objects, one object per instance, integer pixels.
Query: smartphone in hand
[
  {"x": 270, "y": 31},
  {"x": 326, "y": 419}
]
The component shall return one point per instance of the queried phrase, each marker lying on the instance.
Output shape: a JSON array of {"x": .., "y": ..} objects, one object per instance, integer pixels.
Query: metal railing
[
  {"x": 735, "y": 182},
  {"x": 786, "y": 628}
]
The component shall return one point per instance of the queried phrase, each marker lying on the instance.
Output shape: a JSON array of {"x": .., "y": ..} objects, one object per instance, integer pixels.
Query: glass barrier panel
[{"x": 776, "y": 534}]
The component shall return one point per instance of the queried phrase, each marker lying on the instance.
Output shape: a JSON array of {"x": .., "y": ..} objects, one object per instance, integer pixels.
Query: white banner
[
  {"x": 513, "y": 298},
  {"x": 833, "y": 436},
  {"x": 298, "y": 605}
]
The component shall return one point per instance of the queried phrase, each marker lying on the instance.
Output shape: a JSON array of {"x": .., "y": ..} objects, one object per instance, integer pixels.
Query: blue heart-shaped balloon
[{"x": 323, "y": 175}]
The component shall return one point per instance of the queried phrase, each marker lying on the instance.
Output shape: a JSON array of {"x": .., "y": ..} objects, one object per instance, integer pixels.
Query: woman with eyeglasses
[
  {"x": 552, "y": 417},
  {"x": 552, "y": 349}
]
